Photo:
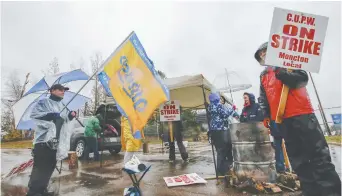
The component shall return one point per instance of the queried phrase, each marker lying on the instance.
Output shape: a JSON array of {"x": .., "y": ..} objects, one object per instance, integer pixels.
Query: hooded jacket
[
  {"x": 218, "y": 113},
  {"x": 251, "y": 112},
  {"x": 93, "y": 126}
]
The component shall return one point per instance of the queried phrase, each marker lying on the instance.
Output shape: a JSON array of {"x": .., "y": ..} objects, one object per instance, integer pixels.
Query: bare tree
[
  {"x": 13, "y": 87},
  {"x": 53, "y": 67},
  {"x": 98, "y": 92},
  {"x": 86, "y": 110},
  {"x": 14, "y": 90}
]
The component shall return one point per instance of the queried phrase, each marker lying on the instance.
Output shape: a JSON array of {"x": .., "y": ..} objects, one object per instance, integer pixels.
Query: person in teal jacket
[{"x": 92, "y": 129}]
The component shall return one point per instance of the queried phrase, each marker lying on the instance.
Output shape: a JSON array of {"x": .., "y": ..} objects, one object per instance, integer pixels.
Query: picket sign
[
  {"x": 170, "y": 111},
  {"x": 296, "y": 40}
]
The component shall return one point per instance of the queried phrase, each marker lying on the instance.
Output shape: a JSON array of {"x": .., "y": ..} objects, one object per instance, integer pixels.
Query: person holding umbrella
[
  {"x": 49, "y": 124},
  {"x": 227, "y": 137},
  {"x": 218, "y": 115}
]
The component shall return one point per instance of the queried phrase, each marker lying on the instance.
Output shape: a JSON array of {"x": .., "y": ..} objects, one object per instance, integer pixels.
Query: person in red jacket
[{"x": 306, "y": 146}]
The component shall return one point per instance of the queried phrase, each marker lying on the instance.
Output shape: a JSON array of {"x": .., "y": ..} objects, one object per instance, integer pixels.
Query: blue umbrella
[{"x": 74, "y": 80}]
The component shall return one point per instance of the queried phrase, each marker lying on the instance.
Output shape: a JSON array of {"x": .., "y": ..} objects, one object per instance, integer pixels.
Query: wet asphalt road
[{"x": 90, "y": 179}]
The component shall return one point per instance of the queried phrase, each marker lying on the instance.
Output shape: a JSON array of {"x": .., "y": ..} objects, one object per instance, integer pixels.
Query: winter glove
[
  {"x": 71, "y": 115},
  {"x": 234, "y": 107},
  {"x": 267, "y": 122}
]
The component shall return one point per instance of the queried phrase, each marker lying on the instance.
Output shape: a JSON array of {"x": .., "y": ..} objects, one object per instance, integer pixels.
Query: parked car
[{"x": 111, "y": 139}]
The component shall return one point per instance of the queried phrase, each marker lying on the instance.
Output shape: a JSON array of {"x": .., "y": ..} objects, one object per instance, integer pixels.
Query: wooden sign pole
[
  {"x": 279, "y": 120},
  {"x": 170, "y": 131}
]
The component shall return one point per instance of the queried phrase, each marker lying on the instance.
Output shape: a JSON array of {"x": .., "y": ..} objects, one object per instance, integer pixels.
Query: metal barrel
[{"x": 252, "y": 151}]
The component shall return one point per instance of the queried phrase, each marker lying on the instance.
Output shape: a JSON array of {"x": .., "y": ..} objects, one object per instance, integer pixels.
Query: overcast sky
[{"x": 182, "y": 38}]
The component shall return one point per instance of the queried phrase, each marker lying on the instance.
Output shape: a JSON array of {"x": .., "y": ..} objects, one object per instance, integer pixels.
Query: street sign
[
  {"x": 170, "y": 111},
  {"x": 296, "y": 40},
  {"x": 336, "y": 118}
]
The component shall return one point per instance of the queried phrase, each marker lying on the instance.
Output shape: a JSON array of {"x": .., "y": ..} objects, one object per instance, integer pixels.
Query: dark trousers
[
  {"x": 223, "y": 145},
  {"x": 309, "y": 156},
  {"x": 44, "y": 163},
  {"x": 92, "y": 146},
  {"x": 178, "y": 136}
]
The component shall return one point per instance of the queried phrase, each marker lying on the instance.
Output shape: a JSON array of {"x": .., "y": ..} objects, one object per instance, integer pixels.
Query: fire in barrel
[{"x": 252, "y": 151}]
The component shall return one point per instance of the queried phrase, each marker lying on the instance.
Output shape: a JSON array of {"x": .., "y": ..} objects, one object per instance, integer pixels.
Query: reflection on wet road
[{"x": 90, "y": 179}]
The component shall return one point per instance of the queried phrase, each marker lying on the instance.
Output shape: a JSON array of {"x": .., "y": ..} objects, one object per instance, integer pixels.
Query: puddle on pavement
[{"x": 91, "y": 181}]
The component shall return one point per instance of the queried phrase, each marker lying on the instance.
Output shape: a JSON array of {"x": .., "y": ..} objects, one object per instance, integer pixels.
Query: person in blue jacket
[
  {"x": 218, "y": 116},
  {"x": 251, "y": 111}
]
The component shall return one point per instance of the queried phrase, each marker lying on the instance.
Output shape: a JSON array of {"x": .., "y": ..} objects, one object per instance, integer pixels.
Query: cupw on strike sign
[
  {"x": 170, "y": 111},
  {"x": 296, "y": 40}
]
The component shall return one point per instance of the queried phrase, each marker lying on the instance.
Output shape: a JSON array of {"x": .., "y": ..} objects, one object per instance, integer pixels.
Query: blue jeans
[{"x": 279, "y": 156}]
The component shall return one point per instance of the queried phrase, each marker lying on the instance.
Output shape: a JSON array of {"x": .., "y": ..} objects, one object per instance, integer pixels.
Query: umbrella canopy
[{"x": 73, "y": 79}]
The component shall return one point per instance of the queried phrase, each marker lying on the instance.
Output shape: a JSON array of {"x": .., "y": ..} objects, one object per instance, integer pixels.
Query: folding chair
[{"x": 135, "y": 189}]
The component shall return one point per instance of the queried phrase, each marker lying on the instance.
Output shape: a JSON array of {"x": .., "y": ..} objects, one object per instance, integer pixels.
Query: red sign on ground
[{"x": 183, "y": 180}]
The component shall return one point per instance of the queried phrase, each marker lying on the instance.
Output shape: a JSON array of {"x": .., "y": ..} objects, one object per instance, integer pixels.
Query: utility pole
[{"x": 320, "y": 106}]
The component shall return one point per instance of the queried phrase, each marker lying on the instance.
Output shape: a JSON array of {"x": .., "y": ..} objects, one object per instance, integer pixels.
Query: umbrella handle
[{"x": 78, "y": 120}]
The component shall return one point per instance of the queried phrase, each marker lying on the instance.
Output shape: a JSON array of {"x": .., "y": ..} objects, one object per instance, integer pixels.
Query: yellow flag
[{"x": 134, "y": 83}]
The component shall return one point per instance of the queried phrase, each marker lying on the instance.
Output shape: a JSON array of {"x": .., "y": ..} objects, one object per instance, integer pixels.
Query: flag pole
[{"x": 99, "y": 68}]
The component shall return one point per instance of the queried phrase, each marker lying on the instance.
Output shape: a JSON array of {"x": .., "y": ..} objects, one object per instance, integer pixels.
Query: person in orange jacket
[{"x": 306, "y": 146}]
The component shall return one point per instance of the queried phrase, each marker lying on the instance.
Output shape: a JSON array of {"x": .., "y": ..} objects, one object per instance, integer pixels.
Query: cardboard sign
[
  {"x": 185, "y": 179},
  {"x": 170, "y": 111},
  {"x": 296, "y": 40}
]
